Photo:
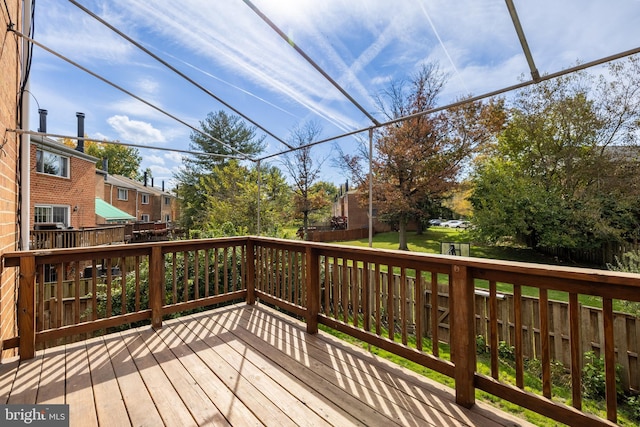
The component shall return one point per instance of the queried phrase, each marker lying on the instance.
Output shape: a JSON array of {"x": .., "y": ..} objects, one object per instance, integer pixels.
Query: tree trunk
[{"x": 402, "y": 235}]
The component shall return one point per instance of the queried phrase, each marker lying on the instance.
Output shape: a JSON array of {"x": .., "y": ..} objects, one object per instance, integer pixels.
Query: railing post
[
  {"x": 463, "y": 345},
  {"x": 156, "y": 287},
  {"x": 313, "y": 289},
  {"x": 26, "y": 307},
  {"x": 251, "y": 273}
]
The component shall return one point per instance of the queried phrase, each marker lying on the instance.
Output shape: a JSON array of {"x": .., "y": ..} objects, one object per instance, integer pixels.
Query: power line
[
  {"x": 126, "y": 144},
  {"x": 546, "y": 77},
  {"x": 110, "y": 83},
  {"x": 178, "y": 72}
]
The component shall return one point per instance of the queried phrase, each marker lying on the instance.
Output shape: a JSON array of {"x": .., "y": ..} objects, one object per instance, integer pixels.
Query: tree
[
  {"x": 563, "y": 173},
  {"x": 417, "y": 161},
  {"x": 305, "y": 171},
  {"x": 232, "y": 136},
  {"x": 122, "y": 160}
]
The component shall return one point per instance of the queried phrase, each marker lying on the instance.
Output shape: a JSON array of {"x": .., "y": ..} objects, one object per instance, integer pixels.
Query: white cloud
[
  {"x": 135, "y": 131},
  {"x": 173, "y": 157},
  {"x": 155, "y": 159}
]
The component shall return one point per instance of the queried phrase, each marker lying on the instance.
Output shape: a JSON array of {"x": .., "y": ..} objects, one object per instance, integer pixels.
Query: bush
[
  {"x": 593, "y": 377},
  {"x": 481, "y": 344},
  {"x": 633, "y": 402},
  {"x": 506, "y": 352}
]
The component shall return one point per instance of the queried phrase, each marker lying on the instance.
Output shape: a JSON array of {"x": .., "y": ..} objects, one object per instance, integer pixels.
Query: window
[
  {"x": 52, "y": 164},
  {"x": 52, "y": 214},
  {"x": 145, "y": 199},
  {"x": 167, "y": 200},
  {"x": 144, "y": 217},
  {"x": 167, "y": 218},
  {"x": 123, "y": 194}
]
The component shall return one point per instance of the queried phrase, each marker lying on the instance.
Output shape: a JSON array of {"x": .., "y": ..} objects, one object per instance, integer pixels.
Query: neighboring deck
[{"x": 241, "y": 365}]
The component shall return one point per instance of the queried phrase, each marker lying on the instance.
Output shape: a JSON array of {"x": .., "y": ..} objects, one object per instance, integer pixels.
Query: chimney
[
  {"x": 105, "y": 167},
  {"x": 80, "y": 146},
  {"x": 151, "y": 182},
  {"x": 43, "y": 121},
  {"x": 163, "y": 185},
  {"x": 145, "y": 178}
]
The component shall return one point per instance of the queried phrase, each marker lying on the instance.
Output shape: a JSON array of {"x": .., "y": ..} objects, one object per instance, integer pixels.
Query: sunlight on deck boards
[{"x": 240, "y": 365}]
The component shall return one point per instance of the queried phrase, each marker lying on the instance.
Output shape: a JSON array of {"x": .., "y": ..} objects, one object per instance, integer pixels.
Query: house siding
[
  {"x": 9, "y": 86},
  {"x": 78, "y": 190}
]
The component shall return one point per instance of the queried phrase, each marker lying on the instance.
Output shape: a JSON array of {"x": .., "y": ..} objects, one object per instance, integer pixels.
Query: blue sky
[{"x": 227, "y": 48}]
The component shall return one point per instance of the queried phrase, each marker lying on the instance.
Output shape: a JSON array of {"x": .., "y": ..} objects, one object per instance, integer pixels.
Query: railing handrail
[{"x": 262, "y": 256}]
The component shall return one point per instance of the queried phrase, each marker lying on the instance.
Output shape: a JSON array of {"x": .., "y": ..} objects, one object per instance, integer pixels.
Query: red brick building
[
  {"x": 62, "y": 185},
  {"x": 145, "y": 202},
  {"x": 9, "y": 166}
]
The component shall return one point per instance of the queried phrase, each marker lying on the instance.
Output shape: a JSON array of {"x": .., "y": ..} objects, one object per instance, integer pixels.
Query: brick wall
[
  {"x": 78, "y": 191},
  {"x": 9, "y": 84},
  {"x": 129, "y": 205}
]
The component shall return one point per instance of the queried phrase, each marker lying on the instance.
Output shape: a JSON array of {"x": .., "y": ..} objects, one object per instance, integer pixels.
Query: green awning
[{"x": 110, "y": 213}]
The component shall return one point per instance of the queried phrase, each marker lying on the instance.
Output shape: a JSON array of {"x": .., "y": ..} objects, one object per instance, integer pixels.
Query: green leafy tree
[
  {"x": 230, "y": 137},
  {"x": 122, "y": 160},
  {"x": 564, "y": 171}
]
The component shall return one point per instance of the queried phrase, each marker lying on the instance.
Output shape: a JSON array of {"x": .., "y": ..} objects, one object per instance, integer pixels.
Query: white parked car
[{"x": 455, "y": 223}]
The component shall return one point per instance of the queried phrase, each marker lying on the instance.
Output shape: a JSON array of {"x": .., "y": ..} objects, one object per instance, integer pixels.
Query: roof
[
  {"x": 124, "y": 182},
  {"x": 56, "y": 147},
  {"x": 110, "y": 212}
]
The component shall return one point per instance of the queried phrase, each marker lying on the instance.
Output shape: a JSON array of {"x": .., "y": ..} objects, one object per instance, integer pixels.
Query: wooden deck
[{"x": 241, "y": 365}]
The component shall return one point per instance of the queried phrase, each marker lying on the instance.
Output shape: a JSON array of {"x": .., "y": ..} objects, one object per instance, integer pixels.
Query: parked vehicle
[
  {"x": 456, "y": 223},
  {"x": 435, "y": 221}
]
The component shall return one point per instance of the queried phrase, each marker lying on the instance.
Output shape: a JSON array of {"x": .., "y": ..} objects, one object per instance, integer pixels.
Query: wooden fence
[{"x": 626, "y": 327}]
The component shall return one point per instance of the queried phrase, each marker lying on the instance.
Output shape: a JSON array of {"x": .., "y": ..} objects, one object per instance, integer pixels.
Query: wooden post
[
  {"x": 251, "y": 273},
  {"x": 156, "y": 288},
  {"x": 463, "y": 342},
  {"x": 26, "y": 307},
  {"x": 313, "y": 289}
]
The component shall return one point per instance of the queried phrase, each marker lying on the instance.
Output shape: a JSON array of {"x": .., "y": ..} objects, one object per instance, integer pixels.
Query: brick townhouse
[
  {"x": 62, "y": 189},
  {"x": 10, "y": 69}
]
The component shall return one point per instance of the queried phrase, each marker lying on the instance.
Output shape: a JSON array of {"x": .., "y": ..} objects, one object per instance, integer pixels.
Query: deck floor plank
[
  {"x": 234, "y": 411},
  {"x": 196, "y": 400},
  {"x": 435, "y": 407},
  {"x": 25, "y": 388},
  {"x": 254, "y": 369},
  {"x": 240, "y": 366},
  {"x": 110, "y": 406},
  {"x": 171, "y": 408},
  {"x": 52, "y": 377},
  {"x": 140, "y": 406},
  {"x": 79, "y": 392},
  {"x": 259, "y": 404},
  {"x": 320, "y": 389}
]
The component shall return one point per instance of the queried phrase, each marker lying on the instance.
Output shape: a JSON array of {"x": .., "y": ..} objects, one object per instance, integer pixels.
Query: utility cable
[
  {"x": 465, "y": 101},
  {"x": 125, "y": 144},
  {"x": 125, "y": 91},
  {"x": 178, "y": 72}
]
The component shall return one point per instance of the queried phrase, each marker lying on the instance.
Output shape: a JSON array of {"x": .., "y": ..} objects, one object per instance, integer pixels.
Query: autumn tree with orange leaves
[{"x": 418, "y": 160}]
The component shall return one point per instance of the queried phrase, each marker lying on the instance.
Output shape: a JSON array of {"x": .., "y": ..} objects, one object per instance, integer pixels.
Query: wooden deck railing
[
  {"x": 386, "y": 298},
  {"x": 60, "y": 239}
]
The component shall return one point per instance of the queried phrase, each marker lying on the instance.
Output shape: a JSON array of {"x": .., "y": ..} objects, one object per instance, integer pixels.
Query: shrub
[
  {"x": 593, "y": 377},
  {"x": 481, "y": 344},
  {"x": 506, "y": 352}
]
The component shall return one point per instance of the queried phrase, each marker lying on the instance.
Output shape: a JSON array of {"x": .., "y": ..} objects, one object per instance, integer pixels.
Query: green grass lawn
[{"x": 429, "y": 242}]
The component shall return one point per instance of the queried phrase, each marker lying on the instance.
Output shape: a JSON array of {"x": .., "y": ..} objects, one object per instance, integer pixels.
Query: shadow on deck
[{"x": 241, "y": 365}]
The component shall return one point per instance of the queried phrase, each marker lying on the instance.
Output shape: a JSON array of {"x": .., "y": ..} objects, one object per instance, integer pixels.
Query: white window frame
[
  {"x": 167, "y": 218},
  {"x": 144, "y": 198},
  {"x": 123, "y": 194},
  {"x": 50, "y": 215},
  {"x": 145, "y": 218},
  {"x": 167, "y": 200},
  {"x": 57, "y": 161}
]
